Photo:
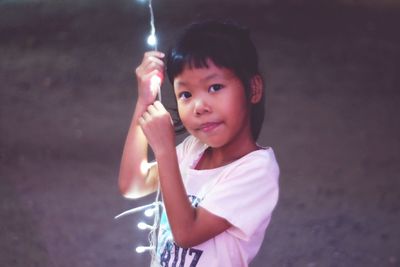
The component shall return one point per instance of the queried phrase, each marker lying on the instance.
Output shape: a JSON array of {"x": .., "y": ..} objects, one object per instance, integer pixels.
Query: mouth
[{"x": 208, "y": 127}]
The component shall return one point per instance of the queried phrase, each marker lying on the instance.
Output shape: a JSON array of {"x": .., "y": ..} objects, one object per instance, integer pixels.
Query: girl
[{"x": 219, "y": 187}]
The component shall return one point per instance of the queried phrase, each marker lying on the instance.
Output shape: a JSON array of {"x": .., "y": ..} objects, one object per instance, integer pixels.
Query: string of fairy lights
[{"x": 152, "y": 209}]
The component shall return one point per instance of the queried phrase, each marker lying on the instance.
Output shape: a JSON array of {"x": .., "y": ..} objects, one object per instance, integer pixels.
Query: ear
[{"x": 257, "y": 88}]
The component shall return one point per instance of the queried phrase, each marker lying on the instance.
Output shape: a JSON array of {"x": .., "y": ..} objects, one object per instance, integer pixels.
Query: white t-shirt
[{"x": 244, "y": 192}]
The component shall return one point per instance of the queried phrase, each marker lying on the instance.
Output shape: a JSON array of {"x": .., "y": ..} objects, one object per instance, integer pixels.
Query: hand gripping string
[
  {"x": 156, "y": 85},
  {"x": 153, "y": 208}
]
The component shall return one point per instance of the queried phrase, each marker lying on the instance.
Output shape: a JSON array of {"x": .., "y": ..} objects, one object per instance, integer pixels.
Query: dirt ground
[{"x": 67, "y": 94}]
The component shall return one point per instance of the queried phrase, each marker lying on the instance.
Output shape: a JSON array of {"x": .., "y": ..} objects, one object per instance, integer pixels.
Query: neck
[{"x": 220, "y": 156}]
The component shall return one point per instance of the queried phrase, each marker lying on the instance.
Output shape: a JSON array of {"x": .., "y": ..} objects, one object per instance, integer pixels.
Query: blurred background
[{"x": 67, "y": 92}]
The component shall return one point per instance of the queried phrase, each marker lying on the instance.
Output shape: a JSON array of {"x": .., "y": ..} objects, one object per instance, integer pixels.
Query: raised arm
[
  {"x": 151, "y": 125},
  {"x": 190, "y": 226},
  {"x": 137, "y": 177}
]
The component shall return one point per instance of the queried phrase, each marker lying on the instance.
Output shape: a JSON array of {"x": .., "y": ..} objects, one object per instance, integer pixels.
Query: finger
[
  {"x": 141, "y": 121},
  {"x": 146, "y": 116},
  {"x": 148, "y": 71},
  {"x": 158, "y": 54},
  {"x": 151, "y": 110},
  {"x": 151, "y": 60},
  {"x": 152, "y": 64},
  {"x": 147, "y": 77},
  {"x": 155, "y": 60},
  {"x": 159, "y": 106},
  {"x": 157, "y": 73}
]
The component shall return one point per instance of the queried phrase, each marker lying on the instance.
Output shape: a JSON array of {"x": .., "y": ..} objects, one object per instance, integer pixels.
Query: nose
[{"x": 201, "y": 106}]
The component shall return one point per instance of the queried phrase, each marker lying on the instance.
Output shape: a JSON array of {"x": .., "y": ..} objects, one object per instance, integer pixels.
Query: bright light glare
[
  {"x": 152, "y": 40},
  {"x": 141, "y": 225},
  {"x": 144, "y": 166},
  {"x": 155, "y": 81},
  {"x": 142, "y": 249},
  {"x": 144, "y": 226},
  {"x": 149, "y": 212}
]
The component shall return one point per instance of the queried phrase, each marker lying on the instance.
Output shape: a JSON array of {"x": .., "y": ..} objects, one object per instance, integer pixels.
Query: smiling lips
[{"x": 209, "y": 126}]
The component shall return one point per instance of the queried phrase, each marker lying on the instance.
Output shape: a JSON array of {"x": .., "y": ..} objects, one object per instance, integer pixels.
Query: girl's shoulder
[
  {"x": 259, "y": 165},
  {"x": 190, "y": 145},
  {"x": 262, "y": 156},
  {"x": 190, "y": 149}
]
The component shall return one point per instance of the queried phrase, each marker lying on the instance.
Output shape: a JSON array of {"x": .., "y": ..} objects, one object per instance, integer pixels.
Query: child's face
[{"x": 212, "y": 105}]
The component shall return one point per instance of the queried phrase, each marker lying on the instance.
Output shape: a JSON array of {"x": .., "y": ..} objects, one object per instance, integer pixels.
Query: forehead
[{"x": 192, "y": 74}]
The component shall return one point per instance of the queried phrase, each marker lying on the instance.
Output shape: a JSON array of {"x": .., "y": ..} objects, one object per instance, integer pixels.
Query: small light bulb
[
  {"x": 144, "y": 226},
  {"x": 149, "y": 212},
  {"x": 152, "y": 40},
  {"x": 142, "y": 249},
  {"x": 141, "y": 226}
]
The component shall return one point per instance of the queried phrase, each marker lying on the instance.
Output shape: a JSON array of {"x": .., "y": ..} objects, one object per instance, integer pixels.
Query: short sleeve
[
  {"x": 188, "y": 150},
  {"x": 183, "y": 147},
  {"x": 246, "y": 194}
]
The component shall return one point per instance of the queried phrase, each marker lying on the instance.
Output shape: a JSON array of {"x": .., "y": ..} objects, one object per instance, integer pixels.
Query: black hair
[{"x": 227, "y": 45}]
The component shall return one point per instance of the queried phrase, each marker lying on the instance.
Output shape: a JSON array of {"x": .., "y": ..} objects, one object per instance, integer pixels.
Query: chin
[{"x": 213, "y": 141}]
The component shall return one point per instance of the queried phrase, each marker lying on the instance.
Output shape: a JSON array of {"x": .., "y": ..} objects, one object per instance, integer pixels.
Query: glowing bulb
[
  {"x": 142, "y": 249},
  {"x": 152, "y": 40},
  {"x": 144, "y": 226},
  {"x": 137, "y": 209},
  {"x": 149, "y": 212}
]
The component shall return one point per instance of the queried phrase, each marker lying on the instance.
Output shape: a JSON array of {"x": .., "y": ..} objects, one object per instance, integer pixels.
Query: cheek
[
  {"x": 183, "y": 113},
  {"x": 237, "y": 102},
  {"x": 239, "y": 111}
]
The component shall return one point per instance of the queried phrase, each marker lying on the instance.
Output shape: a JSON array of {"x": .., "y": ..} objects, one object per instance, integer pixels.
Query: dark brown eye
[
  {"x": 215, "y": 87},
  {"x": 184, "y": 95}
]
